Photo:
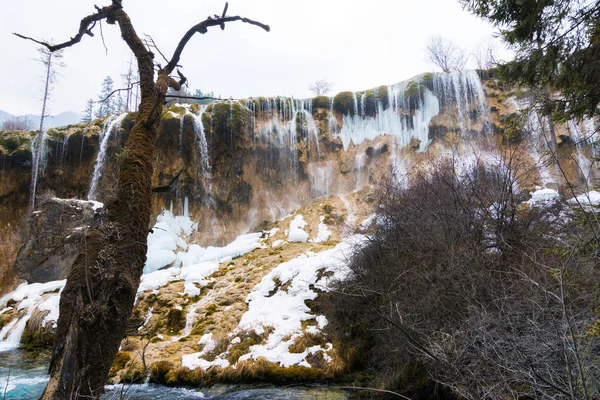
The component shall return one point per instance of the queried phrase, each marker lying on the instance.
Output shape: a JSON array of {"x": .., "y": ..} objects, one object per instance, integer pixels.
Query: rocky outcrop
[
  {"x": 56, "y": 232},
  {"x": 235, "y": 164}
]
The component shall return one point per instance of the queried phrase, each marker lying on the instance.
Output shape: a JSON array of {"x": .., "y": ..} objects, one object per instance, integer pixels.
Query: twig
[
  {"x": 102, "y": 36},
  {"x": 153, "y": 45},
  {"x": 117, "y": 90},
  {"x": 373, "y": 390}
]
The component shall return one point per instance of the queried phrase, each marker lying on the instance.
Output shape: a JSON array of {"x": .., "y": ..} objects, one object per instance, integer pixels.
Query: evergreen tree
[
  {"x": 120, "y": 105},
  {"x": 107, "y": 105},
  {"x": 88, "y": 111},
  {"x": 557, "y": 45},
  {"x": 200, "y": 93}
]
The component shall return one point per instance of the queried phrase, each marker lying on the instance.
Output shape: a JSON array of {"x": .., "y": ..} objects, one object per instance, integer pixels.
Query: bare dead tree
[
  {"x": 445, "y": 54},
  {"x": 50, "y": 60},
  {"x": 485, "y": 54},
  {"x": 99, "y": 295},
  {"x": 320, "y": 87}
]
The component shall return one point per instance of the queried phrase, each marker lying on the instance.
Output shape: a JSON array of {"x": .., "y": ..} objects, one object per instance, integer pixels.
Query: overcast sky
[{"x": 355, "y": 44}]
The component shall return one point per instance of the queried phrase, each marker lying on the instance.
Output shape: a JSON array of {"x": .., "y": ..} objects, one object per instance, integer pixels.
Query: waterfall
[
  {"x": 277, "y": 126},
  {"x": 64, "y": 148},
  {"x": 394, "y": 120},
  {"x": 85, "y": 130},
  {"x": 411, "y": 105},
  {"x": 582, "y": 139},
  {"x": 39, "y": 153},
  {"x": 360, "y": 161},
  {"x": 111, "y": 124},
  {"x": 312, "y": 130},
  {"x": 320, "y": 178},
  {"x": 202, "y": 145},
  {"x": 331, "y": 121},
  {"x": 181, "y": 124}
]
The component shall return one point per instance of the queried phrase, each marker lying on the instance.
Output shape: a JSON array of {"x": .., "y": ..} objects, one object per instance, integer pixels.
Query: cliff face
[
  {"x": 235, "y": 164},
  {"x": 284, "y": 168}
]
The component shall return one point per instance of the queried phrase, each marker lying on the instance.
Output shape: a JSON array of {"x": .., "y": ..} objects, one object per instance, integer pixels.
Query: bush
[{"x": 461, "y": 285}]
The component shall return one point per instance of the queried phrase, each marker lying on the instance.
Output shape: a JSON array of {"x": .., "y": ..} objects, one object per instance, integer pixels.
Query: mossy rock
[
  {"x": 13, "y": 140},
  {"x": 375, "y": 96},
  {"x": 180, "y": 110},
  {"x": 511, "y": 128},
  {"x": 159, "y": 371},
  {"x": 129, "y": 121},
  {"x": 134, "y": 374},
  {"x": 175, "y": 321},
  {"x": 55, "y": 134},
  {"x": 121, "y": 359},
  {"x": 321, "y": 102},
  {"x": 343, "y": 103},
  {"x": 414, "y": 89}
]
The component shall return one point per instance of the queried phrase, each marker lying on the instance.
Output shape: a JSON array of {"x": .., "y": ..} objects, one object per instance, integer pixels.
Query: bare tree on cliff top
[
  {"x": 320, "y": 87},
  {"x": 98, "y": 298},
  {"x": 445, "y": 54}
]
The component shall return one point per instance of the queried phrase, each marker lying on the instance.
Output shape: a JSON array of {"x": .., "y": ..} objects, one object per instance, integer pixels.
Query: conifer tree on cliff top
[
  {"x": 557, "y": 44},
  {"x": 98, "y": 298}
]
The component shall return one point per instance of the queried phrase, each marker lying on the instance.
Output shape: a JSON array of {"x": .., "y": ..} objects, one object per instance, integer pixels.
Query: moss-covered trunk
[{"x": 101, "y": 287}]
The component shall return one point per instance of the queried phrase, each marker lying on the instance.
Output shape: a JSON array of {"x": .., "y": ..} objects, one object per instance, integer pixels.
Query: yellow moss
[{"x": 121, "y": 360}]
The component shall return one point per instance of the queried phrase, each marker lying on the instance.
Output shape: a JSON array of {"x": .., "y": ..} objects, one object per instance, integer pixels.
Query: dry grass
[{"x": 305, "y": 341}]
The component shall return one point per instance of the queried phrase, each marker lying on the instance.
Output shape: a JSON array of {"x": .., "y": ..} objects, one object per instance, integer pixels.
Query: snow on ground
[
  {"x": 543, "y": 197},
  {"x": 297, "y": 233},
  {"x": 81, "y": 203},
  {"x": 285, "y": 310},
  {"x": 30, "y": 296},
  {"x": 166, "y": 245},
  {"x": 165, "y": 239},
  {"x": 190, "y": 263},
  {"x": 587, "y": 200},
  {"x": 324, "y": 232}
]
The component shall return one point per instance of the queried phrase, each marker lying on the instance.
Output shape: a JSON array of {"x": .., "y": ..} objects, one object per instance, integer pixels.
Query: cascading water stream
[
  {"x": 111, "y": 124},
  {"x": 39, "y": 152},
  {"x": 581, "y": 140},
  {"x": 411, "y": 107},
  {"x": 201, "y": 144}
]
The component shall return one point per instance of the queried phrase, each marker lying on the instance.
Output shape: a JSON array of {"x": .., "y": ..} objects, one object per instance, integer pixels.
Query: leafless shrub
[
  {"x": 463, "y": 286},
  {"x": 17, "y": 124}
]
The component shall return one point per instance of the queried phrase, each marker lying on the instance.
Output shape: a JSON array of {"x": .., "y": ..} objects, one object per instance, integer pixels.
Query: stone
[{"x": 56, "y": 231}]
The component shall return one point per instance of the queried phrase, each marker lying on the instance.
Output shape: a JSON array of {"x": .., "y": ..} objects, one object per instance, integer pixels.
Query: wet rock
[{"x": 56, "y": 231}]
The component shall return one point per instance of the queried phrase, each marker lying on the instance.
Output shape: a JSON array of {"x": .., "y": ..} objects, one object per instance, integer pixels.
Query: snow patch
[{"x": 296, "y": 232}]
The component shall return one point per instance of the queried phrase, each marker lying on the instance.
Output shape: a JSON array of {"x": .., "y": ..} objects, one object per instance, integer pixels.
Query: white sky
[{"x": 355, "y": 44}]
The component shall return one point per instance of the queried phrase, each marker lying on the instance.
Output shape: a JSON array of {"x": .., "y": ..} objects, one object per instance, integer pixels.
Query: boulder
[{"x": 56, "y": 231}]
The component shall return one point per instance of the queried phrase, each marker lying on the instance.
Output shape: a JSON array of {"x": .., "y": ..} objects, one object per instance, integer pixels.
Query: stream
[{"x": 23, "y": 376}]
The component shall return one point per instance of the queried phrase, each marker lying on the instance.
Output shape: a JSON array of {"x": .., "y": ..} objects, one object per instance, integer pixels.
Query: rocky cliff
[{"x": 284, "y": 168}]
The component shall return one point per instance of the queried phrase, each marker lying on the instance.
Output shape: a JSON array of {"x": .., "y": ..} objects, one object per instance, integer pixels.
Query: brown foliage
[{"x": 461, "y": 285}]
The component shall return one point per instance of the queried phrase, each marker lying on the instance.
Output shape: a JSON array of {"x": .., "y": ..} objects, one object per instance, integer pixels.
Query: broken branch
[{"x": 202, "y": 28}]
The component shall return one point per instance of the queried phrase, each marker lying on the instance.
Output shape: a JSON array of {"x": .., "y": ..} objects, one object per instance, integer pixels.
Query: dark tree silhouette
[{"x": 100, "y": 292}]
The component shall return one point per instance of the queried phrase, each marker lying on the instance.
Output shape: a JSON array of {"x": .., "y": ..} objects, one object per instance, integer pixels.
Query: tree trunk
[{"x": 101, "y": 287}]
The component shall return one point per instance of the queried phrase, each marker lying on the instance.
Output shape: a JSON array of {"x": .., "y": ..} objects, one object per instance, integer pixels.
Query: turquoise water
[{"x": 24, "y": 377}]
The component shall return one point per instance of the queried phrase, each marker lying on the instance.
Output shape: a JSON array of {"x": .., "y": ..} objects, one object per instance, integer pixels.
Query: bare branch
[
  {"x": 85, "y": 27},
  {"x": 152, "y": 45},
  {"x": 202, "y": 28},
  {"x": 116, "y": 91}
]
